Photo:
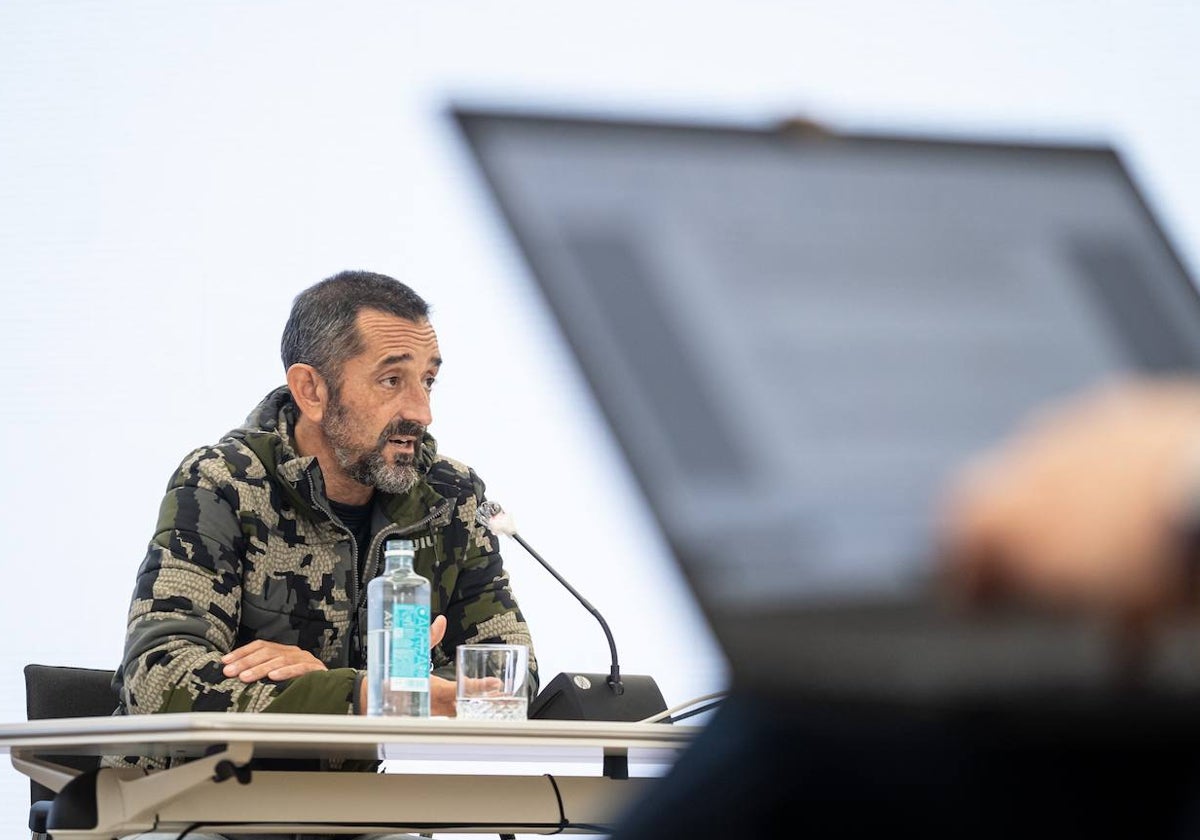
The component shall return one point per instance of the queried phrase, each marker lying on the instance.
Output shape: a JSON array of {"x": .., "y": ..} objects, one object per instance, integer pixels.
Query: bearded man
[{"x": 252, "y": 596}]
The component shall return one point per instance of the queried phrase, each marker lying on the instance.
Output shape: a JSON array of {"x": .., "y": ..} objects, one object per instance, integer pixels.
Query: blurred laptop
[{"x": 796, "y": 336}]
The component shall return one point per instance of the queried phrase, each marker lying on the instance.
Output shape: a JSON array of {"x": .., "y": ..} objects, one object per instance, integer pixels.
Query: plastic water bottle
[{"x": 398, "y": 636}]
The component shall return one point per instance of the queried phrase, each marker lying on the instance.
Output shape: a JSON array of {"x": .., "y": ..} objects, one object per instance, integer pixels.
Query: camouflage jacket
[{"x": 247, "y": 548}]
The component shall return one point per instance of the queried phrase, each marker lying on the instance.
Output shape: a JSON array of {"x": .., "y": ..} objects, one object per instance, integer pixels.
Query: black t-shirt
[{"x": 358, "y": 519}]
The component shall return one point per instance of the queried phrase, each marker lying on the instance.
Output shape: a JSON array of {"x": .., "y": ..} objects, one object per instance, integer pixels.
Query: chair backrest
[{"x": 53, "y": 691}]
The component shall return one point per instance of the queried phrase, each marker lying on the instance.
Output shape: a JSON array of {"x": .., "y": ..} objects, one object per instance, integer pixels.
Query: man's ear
[{"x": 308, "y": 390}]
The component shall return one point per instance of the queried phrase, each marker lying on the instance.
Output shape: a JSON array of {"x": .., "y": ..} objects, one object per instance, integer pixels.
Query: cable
[
  {"x": 666, "y": 714},
  {"x": 707, "y": 707},
  {"x": 562, "y": 812},
  {"x": 189, "y": 830},
  {"x": 563, "y": 822}
]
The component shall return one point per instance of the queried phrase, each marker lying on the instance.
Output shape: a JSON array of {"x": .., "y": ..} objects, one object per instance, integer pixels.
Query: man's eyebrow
[{"x": 436, "y": 361}]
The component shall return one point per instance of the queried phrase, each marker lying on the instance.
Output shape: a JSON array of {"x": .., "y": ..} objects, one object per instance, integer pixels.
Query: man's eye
[
  {"x": 429, "y": 383},
  {"x": 390, "y": 381}
]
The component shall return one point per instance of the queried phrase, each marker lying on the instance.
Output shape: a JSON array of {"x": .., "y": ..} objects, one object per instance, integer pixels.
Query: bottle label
[{"x": 409, "y": 667}]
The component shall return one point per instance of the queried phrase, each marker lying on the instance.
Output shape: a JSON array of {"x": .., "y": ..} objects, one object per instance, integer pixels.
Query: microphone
[{"x": 571, "y": 696}]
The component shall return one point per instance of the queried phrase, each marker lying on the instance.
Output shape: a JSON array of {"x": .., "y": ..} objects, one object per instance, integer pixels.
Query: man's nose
[{"x": 416, "y": 408}]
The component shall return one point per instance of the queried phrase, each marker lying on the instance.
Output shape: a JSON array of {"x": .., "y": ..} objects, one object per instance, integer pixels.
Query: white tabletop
[{"x": 346, "y": 736}]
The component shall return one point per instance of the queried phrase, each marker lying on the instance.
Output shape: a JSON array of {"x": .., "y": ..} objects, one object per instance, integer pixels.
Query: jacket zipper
[
  {"x": 397, "y": 531},
  {"x": 373, "y": 552}
]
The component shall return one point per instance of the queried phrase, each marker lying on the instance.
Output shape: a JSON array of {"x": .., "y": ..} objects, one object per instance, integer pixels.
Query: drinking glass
[{"x": 492, "y": 681}]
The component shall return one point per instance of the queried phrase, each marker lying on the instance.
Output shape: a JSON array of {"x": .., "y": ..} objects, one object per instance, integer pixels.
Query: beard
[{"x": 370, "y": 465}]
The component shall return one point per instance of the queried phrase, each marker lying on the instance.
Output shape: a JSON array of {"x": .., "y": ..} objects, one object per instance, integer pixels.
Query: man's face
[{"x": 380, "y": 408}]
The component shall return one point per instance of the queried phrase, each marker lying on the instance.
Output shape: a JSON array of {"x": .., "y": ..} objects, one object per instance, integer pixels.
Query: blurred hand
[
  {"x": 442, "y": 697},
  {"x": 442, "y": 693},
  {"x": 1086, "y": 508},
  {"x": 271, "y": 660}
]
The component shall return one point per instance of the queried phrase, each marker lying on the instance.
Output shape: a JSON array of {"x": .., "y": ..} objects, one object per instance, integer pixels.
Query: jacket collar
[{"x": 269, "y": 432}]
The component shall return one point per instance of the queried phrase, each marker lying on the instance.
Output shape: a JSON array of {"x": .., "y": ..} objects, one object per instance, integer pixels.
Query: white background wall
[{"x": 171, "y": 174}]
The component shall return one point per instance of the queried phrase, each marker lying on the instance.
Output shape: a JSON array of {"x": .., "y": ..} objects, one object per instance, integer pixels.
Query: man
[{"x": 252, "y": 596}]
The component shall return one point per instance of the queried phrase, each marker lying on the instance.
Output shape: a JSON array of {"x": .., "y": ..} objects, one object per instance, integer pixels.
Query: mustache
[{"x": 402, "y": 428}]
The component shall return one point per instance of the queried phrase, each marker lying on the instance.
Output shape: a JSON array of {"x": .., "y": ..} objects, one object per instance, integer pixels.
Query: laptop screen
[{"x": 797, "y": 339}]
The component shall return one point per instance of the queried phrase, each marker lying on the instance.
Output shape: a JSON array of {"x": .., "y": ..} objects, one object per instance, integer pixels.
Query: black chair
[{"x": 60, "y": 692}]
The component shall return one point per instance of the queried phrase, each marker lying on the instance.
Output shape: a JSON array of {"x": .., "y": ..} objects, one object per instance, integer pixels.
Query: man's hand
[
  {"x": 1087, "y": 508},
  {"x": 260, "y": 659},
  {"x": 437, "y": 631},
  {"x": 443, "y": 697},
  {"x": 441, "y": 692}
]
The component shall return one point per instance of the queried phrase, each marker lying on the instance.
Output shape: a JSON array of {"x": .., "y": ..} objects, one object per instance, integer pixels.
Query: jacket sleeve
[
  {"x": 481, "y": 609},
  {"x": 186, "y": 607}
]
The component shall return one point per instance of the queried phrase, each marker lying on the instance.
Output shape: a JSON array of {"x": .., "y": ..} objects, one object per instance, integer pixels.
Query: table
[{"x": 220, "y": 791}]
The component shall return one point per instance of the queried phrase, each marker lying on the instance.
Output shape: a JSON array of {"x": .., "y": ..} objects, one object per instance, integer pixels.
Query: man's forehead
[{"x": 383, "y": 333}]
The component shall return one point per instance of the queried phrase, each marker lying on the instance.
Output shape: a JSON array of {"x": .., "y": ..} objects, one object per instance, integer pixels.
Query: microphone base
[{"x": 576, "y": 696}]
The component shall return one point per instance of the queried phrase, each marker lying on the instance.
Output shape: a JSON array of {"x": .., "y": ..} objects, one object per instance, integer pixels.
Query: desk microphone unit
[{"x": 577, "y": 696}]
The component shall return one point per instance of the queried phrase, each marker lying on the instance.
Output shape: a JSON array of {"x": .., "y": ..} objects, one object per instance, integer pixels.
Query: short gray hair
[{"x": 321, "y": 331}]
